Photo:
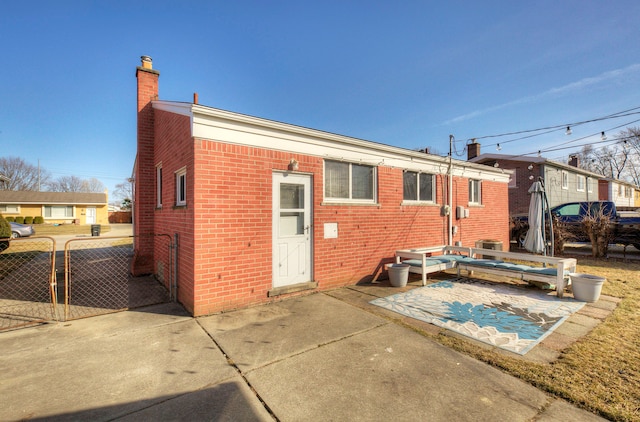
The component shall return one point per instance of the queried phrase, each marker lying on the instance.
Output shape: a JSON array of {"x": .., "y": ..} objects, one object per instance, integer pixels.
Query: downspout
[{"x": 450, "y": 193}]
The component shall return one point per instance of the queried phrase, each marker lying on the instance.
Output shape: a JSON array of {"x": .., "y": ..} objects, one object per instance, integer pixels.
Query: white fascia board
[{"x": 234, "y": 128}]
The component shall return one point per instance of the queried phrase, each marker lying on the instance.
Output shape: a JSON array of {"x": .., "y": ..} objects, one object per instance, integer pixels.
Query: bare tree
[
  {"x": 93, "y": 185},
  {"x": 123, "y": 191},
  {"x": 616, "y": 161},
  {"x": 76, "y": 184},
  {"x": 22, "y": 175}
]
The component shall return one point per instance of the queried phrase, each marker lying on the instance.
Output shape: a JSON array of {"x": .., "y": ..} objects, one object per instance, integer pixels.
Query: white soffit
[{"x": 225, "y": 126}]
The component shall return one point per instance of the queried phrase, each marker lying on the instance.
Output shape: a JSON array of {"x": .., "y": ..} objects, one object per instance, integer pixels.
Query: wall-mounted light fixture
[{"x": 293, "y": 165}]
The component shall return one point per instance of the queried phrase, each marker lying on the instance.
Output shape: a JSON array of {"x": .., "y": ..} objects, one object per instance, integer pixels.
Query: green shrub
[
  {"x": 19, "y": 220},
  {"x": 28, "y": 220},
  {"x": 10, "y": 219},
  {"x": 5, "y": 228},
  {"x": 38, "y": 220}
]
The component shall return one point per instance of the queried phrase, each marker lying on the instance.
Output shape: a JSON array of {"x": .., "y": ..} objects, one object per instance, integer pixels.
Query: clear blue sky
[{"x": 404, "y": 73}]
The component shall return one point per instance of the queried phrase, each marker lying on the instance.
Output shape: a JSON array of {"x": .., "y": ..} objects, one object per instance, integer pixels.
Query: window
[
  {"x": 348, "y": 182},
  {"x": 589, "y": 185},
  {"x": 565, "y": 180},
  {"x": 159, "y": 185},
  {"x": 581, "y": 183},
  {"x": 512, "y": 179},
  {"x": 474, "y": 192},
  {"x": 10, "y": 209},
  {"x": 418, "y": 186},
  {"x": 627, "y": 191},
  {"x": 181, "y": 187},
  {"x": 58, "y": 211}
]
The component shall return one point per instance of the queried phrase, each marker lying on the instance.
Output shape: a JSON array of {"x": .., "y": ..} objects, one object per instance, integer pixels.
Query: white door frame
[{"x": 292, "y": 228}]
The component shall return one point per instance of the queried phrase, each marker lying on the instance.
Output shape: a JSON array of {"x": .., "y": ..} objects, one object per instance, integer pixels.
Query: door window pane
[
  {"x": 291, "y": 196},
  {"x": 291, "y": 223}
]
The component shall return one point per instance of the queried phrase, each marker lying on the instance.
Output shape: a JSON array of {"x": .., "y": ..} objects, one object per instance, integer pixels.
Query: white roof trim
[{"x": 235, "y": 128}]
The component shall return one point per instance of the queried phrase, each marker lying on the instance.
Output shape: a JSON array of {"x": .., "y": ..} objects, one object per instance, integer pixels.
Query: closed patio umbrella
[{"x": 534, "y": 240}]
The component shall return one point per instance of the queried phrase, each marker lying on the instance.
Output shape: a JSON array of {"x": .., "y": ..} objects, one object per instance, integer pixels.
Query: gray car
[{"x": 21, "y": 230}]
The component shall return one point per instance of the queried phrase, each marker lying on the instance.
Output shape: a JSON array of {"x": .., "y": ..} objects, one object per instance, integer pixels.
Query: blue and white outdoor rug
[{"x": 509, "y": 317}]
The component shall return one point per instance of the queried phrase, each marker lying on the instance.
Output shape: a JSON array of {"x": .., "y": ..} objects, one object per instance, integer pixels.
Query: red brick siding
[
  {"x": 229, "y": 246},
  {"x": 174, "y": 149}
]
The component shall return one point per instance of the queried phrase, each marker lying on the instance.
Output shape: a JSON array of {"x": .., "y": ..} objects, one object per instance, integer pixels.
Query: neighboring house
[
  {"x": 56, "y": 207},
  {"x": 563, "y": 182},
  {"x": 263, "y": 209},
  {"x": 624, "y": 194}
]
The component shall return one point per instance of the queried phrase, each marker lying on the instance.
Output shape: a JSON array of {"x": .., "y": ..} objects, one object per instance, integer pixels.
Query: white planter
[
  {"x": 586, "y": 287},
  {"x": 398, "y": 274}
]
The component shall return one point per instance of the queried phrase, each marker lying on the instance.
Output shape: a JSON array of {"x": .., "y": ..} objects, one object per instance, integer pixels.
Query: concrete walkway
[{"x": 313, "y": 358}]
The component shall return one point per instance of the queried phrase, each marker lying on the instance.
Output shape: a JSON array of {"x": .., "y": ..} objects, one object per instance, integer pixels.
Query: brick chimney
[
  {"x": 473, "y": 150},
  {"x": 144, "y": 171},
  {"x": 574, "y": 160}
]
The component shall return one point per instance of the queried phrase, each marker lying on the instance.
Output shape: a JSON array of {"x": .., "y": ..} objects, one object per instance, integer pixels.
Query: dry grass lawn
[{"x": 600, "y": 372}]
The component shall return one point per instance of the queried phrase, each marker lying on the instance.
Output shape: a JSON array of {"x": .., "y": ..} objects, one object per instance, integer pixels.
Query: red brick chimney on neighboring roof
[
  {"x": 473, "y": 150},
  {"x": 144, "y": 172}
]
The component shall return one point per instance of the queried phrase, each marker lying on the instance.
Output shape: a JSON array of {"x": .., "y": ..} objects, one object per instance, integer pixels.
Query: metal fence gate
[{"x": 90, "y": 276}]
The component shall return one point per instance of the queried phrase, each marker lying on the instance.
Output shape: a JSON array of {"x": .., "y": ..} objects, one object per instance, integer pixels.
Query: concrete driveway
[{"x": 310, "y": 358}]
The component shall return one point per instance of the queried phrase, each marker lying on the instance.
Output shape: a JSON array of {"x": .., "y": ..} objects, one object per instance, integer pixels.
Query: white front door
[
  {"x": 91, "y": 215},
  {"x": 292, "y": 229}
]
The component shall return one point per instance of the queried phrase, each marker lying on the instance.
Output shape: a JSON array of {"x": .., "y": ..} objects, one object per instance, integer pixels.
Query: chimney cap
[{"x": 147, "y": 63}]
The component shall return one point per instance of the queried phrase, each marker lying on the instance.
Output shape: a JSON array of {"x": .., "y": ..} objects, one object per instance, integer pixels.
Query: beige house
[{"x": 56, "y": 207}]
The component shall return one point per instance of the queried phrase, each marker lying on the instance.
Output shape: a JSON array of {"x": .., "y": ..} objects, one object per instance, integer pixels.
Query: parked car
[
  {"x": 21, "y": 230},
  {"x": 625, "y": 225}
]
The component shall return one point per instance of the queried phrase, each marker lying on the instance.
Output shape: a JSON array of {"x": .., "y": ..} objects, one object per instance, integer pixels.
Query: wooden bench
[
  {"x": 555, "y": 270},
  {"x": 433, "y": 259},
  {"x": 423, "y": 261}
]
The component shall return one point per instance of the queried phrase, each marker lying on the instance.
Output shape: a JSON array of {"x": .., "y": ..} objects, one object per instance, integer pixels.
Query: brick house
[
  {"x": 563, "y": 182},
  {"x": 264, "y": 209}
]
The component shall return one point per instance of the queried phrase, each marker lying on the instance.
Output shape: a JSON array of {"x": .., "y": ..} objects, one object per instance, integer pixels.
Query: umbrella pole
[{"x": 546, "y": 204}]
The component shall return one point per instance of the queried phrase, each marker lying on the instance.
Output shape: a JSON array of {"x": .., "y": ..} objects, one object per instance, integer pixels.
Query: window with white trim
[
  {"x": 581, "y": 182},
  {"x": 10, "y": 209},
  {"x": 159, "y": 185},
  {"x": 565, "y": 180},
  {"x": 419, "y": 187},
  {"x": 589, "y": 185},
  {"x": 58, "y": 211},
  {"x": 349, "y": 182},
  {"x": 475, "y": 194},
  {"x": 181, "y": 187}
]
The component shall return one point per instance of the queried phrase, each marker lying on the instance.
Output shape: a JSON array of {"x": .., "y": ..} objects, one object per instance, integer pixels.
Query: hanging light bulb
[
  {"x": 530, "y": 167},
  {"x": 568, "y": 132},
  {"x": 531, "y": 177},
  {"x": 603, "y": 136},
  {"x": 539, "y": 153},
  {"x": 498, "y": 147},
  {"x": 496, "y": 164}
]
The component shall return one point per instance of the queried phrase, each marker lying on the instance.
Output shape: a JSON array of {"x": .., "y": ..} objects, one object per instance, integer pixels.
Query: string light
[
  {"x": 498, "y": 147},
  {"x": 603, "y": 136},
  {"x": 568, "y": 131}
]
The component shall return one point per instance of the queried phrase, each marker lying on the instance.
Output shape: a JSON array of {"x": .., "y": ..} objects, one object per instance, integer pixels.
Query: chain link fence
[
  {"x": 87, "y": 277},
  {"x": 98, "y": 276},
  {"x": 27, "y": 282}
]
